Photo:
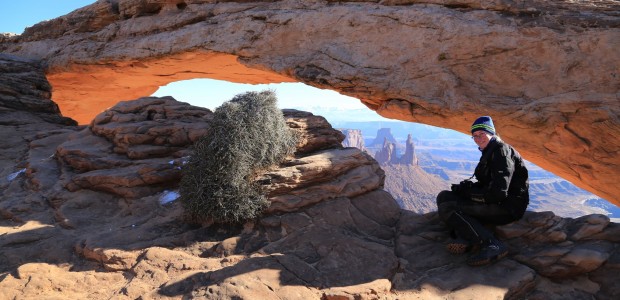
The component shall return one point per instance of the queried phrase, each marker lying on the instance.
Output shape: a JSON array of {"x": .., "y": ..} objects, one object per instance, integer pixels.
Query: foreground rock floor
[
  {"x": 83, "y": 216},
  {"x": 363, "y": 247},
  {"x": 331, "y": 233}
]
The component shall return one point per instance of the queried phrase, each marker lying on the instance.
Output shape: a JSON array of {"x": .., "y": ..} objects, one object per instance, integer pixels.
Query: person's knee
[
  {"x": 445, "y": 209},
  {"x": 444, "y": 196},
  {"x": 445, "y": 206}
]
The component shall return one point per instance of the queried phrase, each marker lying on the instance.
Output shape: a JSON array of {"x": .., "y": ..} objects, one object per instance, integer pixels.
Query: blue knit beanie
[{"x": 483, "y": 123}]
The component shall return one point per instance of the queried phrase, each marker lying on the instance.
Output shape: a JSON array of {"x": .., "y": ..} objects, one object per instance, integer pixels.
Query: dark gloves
[
  {"x": 467, "y": 189},
  {"x": 477, "y": 195},
  {"x": 463, "y": 188}
]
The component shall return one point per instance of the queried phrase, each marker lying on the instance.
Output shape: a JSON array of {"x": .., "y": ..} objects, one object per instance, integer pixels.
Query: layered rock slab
[
  {"x": 27, "y": 115},
  {"x": 25, "y": 107},
  {"x": 135, "y": 148}
]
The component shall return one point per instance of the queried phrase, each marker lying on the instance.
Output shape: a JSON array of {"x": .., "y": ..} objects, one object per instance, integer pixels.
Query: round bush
[{"x": 248, "y": 134}]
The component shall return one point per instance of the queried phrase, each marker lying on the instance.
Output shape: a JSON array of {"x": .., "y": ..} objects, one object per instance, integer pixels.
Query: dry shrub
[{"x": 248, "y": 134}]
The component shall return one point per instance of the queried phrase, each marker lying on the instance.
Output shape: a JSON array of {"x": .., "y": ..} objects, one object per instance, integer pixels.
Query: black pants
[{"x": 467, "y": 218}]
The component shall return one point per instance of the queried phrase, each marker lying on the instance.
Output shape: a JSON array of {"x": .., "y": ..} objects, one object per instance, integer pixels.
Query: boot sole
[
  {"x": 488, "y": 260},
  {"x": 458, "y": 248}
]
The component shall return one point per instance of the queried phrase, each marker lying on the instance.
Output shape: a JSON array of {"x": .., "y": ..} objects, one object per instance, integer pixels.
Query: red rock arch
[
  {"x": 549, "y": 79},
  {"x": 86, "y": 90}
]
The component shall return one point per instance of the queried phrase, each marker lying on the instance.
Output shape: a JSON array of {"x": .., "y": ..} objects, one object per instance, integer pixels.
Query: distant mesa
[
  {"x": 409, "y": 158},
  {"x": 353, "y": 138},
  {"x": 388, "y": 153},
  {"x": 412, "y": 186},
  {"x": 384, "y": 134}
]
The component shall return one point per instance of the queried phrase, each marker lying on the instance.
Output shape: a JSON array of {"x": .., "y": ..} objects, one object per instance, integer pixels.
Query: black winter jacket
[{"x": 502, "y": 178}]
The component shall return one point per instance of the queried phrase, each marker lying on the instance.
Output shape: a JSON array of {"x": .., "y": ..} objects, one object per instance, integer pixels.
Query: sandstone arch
[
  {"x": 106, "y": 85},
  {"x": 547, "y": 73}
]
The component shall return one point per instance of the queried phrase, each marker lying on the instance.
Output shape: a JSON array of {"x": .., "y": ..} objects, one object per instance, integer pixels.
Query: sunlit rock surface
[{"x": 135, "y": 148}]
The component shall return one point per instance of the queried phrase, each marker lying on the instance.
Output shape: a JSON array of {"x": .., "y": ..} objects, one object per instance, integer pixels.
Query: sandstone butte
[{"x": 80, "y": 209}]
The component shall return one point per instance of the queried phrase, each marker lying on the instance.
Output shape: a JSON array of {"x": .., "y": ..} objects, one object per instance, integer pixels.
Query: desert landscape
[
  {"x": 443, "y": 157},
  {"x": 90, "y": 164}
]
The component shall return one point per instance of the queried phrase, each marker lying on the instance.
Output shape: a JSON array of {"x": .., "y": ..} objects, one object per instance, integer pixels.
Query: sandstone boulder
[
  {"x": 313, "y": 132},
  {"x": 152, "y": 127},
  {"x": 547, "y": 246},
  {"x": 135, "y": 148},
  {"x": 321, "y": 176}
]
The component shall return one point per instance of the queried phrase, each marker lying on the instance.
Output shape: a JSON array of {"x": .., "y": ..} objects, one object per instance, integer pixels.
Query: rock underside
[{"x": 66, "y": 237}]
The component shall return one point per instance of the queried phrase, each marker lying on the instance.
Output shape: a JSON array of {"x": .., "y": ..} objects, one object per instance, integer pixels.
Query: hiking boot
[
  {"x": 458, "y": 246},
  {"x": 490, "y": 252}
]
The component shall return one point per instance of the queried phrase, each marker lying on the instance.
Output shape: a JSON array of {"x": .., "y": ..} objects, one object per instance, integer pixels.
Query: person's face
[{"x": 481, "y": 138}]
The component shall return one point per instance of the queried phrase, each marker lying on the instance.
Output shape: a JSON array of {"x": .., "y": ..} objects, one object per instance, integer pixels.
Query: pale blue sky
[
  {"x": 16, "y": 15},
  {"x": 211, "y": 93}
]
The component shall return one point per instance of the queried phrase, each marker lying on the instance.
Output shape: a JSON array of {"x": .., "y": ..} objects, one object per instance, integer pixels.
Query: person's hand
[
  {"x": 466, "y": 184},
  {"x": 462, "y": 188},
  {"x": 477, "y": 198}
]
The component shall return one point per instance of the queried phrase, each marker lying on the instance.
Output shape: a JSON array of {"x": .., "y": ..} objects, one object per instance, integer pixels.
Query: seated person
[{"x": 498, "y": 196}]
